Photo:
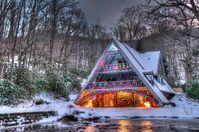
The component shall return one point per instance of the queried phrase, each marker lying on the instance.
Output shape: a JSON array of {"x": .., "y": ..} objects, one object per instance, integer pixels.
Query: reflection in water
[
  {"x": 146, "y": 125},
  {"x": 89, "y": 128},
  {"x": 128, "y": 126},
  {"x": 124, "y": 125},
  {"x": 136, "y": 125}
]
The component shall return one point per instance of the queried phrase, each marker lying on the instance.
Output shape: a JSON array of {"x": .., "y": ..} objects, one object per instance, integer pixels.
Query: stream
[{"x": 135, "y": 125}]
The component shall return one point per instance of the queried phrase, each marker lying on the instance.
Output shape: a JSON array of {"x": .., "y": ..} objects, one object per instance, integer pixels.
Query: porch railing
[{"x": 115, "y": 84}]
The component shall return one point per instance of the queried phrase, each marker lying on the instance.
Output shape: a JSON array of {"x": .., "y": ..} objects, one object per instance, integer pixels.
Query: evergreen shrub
[
  {"x": 72, "y": 82},
  {"x": 192, "y": 89},
  {"x": 56, "y": 84},
  {"x": 10, "y": 93},
  {"x": 24, "y": 79}
]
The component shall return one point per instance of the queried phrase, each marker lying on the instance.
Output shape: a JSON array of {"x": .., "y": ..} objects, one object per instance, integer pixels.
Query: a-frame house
[{"x": 124, "y": 77}]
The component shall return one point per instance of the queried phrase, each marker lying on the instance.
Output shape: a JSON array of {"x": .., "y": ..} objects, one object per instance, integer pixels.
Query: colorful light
[
  {"x": 125, "y": 90},
  {"x": 89, "y": 104},
  {"x": 113, "y": 67},
  {"x": 147, "y": 104},
  {"x": 115, "y": 84}
]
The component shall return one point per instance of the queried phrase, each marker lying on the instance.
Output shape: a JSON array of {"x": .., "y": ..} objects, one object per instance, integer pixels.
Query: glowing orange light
[
  {"x": 147, "y": 104},
  {"x": 111, "y": 103},
  {"x": 89, "y": 104},
  {"x": 89, "y": 128},
  {"x": 124, "y": 126},
  {"x": 148, "y": 125},
  {"x": 122, "y": 93}
]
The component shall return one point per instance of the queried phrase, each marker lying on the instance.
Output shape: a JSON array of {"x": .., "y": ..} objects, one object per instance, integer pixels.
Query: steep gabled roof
[
  {"x": 142, "y": 65},
  {"x": 139, "y": 67},
  {"x": 148, "y": 60}
]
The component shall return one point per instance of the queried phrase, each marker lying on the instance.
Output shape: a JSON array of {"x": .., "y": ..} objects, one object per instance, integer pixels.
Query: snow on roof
[
  {"x": 132, "y": 55},
  {"x": 148, "y": 60},
  {"x": 142, "y": 63},
  {"x": 163, "y": 88}
]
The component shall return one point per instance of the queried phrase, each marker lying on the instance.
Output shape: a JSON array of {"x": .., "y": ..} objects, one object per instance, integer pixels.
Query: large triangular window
[{"x": 115, "y": 72}]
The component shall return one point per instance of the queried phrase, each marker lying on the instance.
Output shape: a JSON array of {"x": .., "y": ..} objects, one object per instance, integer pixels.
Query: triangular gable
[
  {"x": 132, "y": 59},
  {"x": 111, "y": 47},
  {"x": 148, "y": 60},
  {"x": 99, "y": 62},
  {"x": 151, "y": 61},
  {"x": 139, "y": 69}
]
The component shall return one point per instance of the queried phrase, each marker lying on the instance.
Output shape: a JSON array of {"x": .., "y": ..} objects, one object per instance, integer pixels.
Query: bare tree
[
  {"x": 15, "y": 19},
  {"x": 55, "y": 8},
  {"x": 188, "y": 5},
  {"x": 32, "y": 30},
  {"x": 180, "y": 17},
  {"x": 130, "y": 26}
]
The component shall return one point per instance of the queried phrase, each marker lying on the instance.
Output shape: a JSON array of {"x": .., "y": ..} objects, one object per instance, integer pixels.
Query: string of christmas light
[
  {"x": 115, "y": 84},
  {"x": 114, "y": 91},
  {"x": 114, "y": 67}
]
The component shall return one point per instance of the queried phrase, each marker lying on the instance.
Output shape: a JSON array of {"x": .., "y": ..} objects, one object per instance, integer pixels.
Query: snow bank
[
  {"x": 185, "y": 108},
  {"x": 59, "y": 105}
]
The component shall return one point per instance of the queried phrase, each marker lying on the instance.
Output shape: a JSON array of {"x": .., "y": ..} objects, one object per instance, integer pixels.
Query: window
[{"x": 113, "y": 48}]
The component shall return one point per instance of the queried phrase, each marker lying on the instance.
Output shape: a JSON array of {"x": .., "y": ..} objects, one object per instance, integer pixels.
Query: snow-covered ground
[
  {"x": 185, "y": 109},
  {"x": 61, "y": 106}
]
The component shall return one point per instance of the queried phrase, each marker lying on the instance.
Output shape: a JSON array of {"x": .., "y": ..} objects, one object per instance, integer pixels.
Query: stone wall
[{"x": 15, "y": 119}]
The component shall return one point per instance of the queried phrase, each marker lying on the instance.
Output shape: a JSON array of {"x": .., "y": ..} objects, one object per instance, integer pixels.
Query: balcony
[
  {"x": 116, "y": 84},
  {"x": 111, "y": 68}
]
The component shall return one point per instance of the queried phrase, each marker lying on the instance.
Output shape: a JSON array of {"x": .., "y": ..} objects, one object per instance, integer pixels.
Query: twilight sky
[{"x": 106, "y": 11}]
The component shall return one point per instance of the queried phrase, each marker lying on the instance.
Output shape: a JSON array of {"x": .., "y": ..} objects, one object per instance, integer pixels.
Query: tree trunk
[
  {"x": 53, "y": 28},
  {"x": 1, "y": 70}
]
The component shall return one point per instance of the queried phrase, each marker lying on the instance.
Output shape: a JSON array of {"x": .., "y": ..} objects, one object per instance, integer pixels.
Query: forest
[{"x": 49, "y": 45}]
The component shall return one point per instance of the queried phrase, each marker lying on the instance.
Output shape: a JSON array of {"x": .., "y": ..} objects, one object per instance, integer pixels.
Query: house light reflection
[
  {"x": 147, "y": 125},
  {"x": 124, "y": 125},
  {"x": 89, "y": 128}
]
